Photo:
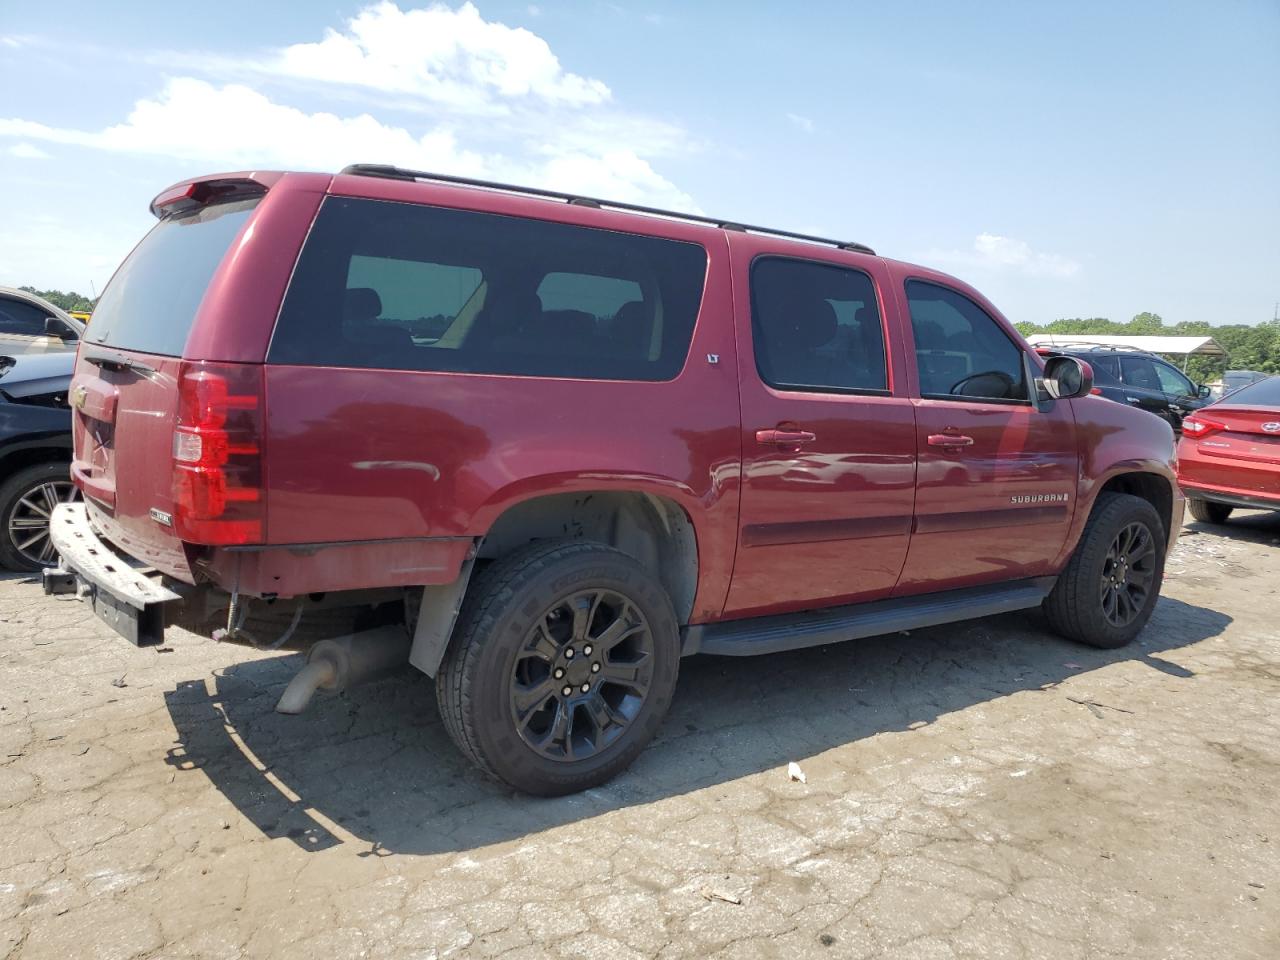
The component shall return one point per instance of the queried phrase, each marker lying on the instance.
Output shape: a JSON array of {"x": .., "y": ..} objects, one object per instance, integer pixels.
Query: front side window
[
  {"x": 18, "y": 318},
  {"x": 816, "y": 327},
  {"x": 961, "y": 351},
  {"x": 409, "y": 287},
  {"x": 1174, "y": 383}
]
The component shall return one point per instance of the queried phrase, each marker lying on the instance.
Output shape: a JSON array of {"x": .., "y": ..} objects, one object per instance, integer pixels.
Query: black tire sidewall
[
  {"x": 1208, "y": 511},
  {"x": 14, "y": 489},
  {"x": 498, "y": 741},
  {"x": 1115, "y": 517}
]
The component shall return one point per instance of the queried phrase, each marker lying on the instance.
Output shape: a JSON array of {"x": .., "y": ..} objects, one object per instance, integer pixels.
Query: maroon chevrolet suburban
[{"x": 542, "y": 446}]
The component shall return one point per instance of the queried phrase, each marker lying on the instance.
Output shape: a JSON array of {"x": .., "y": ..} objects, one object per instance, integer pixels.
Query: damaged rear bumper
[{"x": 131, "y": 601}]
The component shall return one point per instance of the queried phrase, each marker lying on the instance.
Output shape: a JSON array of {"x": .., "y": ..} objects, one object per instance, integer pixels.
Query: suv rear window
[
  {"x": 401, "y": 286},
  {"x": 151, "y": 302}
]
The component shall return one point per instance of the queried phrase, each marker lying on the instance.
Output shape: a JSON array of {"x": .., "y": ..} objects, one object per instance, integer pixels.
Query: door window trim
[
  {"x": 957, "y": 398},
  {"x": 789, "y": 389}
]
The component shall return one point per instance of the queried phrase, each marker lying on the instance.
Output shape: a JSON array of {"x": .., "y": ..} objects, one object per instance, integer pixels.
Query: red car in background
[{"x": 1229, "y": 455}]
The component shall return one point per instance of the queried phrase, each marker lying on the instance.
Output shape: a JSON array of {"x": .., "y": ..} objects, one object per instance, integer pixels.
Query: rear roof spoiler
[{"x": 191, "y": 195}]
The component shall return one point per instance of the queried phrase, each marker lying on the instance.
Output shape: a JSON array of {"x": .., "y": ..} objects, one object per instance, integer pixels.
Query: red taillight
[
  {"x": 217, "y": 461},
  {"x": 1096, "y": 391},
  {"x": 1201, "y": 426}
]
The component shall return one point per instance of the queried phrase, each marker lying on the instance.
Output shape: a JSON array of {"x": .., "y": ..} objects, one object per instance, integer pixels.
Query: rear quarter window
[
  {"x": 402, "y": 286},
  {"x": 152, "y": 300}
]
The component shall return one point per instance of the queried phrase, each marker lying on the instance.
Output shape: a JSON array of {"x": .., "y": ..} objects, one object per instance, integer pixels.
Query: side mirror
[
  {"x": 1203, "y": 392},
  {"x": 1066, "y": 378},
  {"x": 54, "y": 327}
]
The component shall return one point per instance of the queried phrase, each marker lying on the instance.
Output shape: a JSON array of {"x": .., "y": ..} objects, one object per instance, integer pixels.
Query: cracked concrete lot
[{"x": 983, "y": 790}]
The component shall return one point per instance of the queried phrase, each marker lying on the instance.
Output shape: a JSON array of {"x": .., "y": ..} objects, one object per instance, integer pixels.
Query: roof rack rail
[
  {"x": 1077, "y": 344},
  {"x": 399, "y": 173}
]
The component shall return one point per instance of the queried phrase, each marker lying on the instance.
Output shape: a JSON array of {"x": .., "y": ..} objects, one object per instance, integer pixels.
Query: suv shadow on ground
[{"x": 378, "y": 762}]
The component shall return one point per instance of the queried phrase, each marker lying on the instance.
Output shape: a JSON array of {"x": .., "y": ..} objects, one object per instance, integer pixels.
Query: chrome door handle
[
  {"x": 949, "y": 440},
  {"x": 785, "y": 438}
]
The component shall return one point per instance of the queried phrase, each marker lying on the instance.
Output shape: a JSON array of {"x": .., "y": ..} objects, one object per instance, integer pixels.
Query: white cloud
[
  {"x": 452, "y": 57},
  {"x": 803, "y": 123},
  {"x": 235, "y": 126},
  {"x": 437, "y": 88},
  {"x": 27, "y": 151},
  {"x": 993, "y": 252},
  {"x": 534, "y": 10}
]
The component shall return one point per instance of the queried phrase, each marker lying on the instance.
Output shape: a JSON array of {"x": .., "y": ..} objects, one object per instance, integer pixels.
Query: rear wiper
[{"x": 119, "y": 363}]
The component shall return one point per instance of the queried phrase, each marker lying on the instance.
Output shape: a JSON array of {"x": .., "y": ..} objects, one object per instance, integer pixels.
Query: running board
[{"x": 812, "y": 628}]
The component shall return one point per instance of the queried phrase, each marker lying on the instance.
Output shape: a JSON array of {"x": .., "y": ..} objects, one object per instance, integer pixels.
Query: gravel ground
[{"x": 983, "y": 790}]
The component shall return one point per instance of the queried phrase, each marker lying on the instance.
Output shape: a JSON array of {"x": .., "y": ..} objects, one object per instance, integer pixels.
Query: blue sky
[{"x": 1069, "y": 159}]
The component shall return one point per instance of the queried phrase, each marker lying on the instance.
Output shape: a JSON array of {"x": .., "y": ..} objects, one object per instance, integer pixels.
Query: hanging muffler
[{"x": 343, "y": 662}]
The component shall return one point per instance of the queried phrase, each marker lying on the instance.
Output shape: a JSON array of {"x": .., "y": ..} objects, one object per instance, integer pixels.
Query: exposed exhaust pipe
[{"x": 343, "y": 662}]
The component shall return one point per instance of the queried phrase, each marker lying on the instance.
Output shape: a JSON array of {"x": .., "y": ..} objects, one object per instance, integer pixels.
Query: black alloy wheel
[
  {"x": 562, "y": 664},
  {"x": 1127, "y": 574},
  {"x": 582, "y": 675}
]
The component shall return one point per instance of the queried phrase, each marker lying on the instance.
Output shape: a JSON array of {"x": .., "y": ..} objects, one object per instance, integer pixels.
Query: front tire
[
  {"x": 1206, "y": 511},
  {"x": 1109, "y": 588},
  {"x": 562, "y": 666}
]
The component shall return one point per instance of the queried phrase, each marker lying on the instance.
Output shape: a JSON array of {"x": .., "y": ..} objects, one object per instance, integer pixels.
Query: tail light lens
[
  {"x": 1201, "y": 426},
  {"x": 217, "y": 454}
]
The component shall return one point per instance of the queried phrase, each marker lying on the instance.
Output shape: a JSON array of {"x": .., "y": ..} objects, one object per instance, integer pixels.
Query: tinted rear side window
[
  {"x": 408, "y": 287},
  {"x": 1263, "y": 393},
  {"x": 152, "y": 300},
  {"x": 816, "y": 327},
  {"x": 1106, "y": 369}
]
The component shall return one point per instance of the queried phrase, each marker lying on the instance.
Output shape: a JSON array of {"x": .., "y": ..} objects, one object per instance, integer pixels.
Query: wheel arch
[
  {"x": 654, "y": 529},
  {"x": 1155, "y": 488},
  {"x": 18, "y": 456}
]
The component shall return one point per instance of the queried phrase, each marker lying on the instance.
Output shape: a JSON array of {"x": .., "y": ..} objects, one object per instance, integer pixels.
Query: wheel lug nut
[
  {"x": 586, "y": 651},
  {"x": 567, "y": 690},
  {"x": 558, "y": 674},
  {"x": 586, "y": 687},
  {"x": 568, "y": 654},
  {"x": 595, "y": 668}
]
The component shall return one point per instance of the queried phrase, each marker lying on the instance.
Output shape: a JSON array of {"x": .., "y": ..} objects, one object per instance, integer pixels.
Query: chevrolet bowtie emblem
[{"x": 78, "y": 396}]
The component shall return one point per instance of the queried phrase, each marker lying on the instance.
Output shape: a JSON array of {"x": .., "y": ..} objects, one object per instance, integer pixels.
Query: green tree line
[
  {"x": 1255, "y": 347},
  {"x": 66, "y": 301}
]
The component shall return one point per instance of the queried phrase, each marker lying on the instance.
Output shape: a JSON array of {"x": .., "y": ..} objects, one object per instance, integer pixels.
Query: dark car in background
[
  {"x": 1229, "y": 455},
  {"x": 1234, "y": 380},
  {"x": 1138, "y": 379},
  {"x": 31, "y": 324},
  {"x": 35, "y": 453}
]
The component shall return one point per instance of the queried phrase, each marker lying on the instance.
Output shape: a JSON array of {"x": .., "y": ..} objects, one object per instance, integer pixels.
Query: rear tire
[
  {"x": 561, "y": 668},
  {"x": 1206, "y": 511},
  {"x": 26, "y": 500},
  {"x": 1109, "y": 588}
]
